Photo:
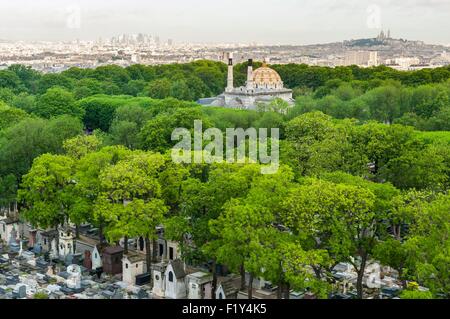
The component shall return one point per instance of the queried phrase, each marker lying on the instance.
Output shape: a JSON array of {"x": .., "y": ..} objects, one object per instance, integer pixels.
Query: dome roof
[{"x": 265, "y": 76}]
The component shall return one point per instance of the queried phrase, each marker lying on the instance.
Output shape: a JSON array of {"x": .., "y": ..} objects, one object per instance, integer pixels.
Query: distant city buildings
[
  {"x": 361, "y": 58},
  {"x": 126, "y": 49}
]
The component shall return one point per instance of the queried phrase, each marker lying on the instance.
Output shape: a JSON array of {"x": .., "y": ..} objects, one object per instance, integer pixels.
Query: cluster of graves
[{"x": 58, "y": 265}]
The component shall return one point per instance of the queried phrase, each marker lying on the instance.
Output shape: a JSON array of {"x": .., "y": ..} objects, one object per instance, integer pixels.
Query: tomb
[
  {"x": 175, "y": 280},
  {"x": 199, "y": 285},
  {"x": 227, "y": 290},
  {"x": 112, "y": 260},
  {"x": 133, "y": 265}
]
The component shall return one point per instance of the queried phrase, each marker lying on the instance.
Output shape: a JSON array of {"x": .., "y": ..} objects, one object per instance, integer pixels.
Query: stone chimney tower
[
  {"x": 250, "y": 84},
  {"x": 230, "y": 79}
]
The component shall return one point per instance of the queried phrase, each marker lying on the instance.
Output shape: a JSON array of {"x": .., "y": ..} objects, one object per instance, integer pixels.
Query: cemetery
[{"x": 53, "y": 264}]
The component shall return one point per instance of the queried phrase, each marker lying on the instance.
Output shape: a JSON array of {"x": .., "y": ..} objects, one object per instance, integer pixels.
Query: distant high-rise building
[
  {"x": 361, "y": 58},
  {"x": 170, "y": 42}
]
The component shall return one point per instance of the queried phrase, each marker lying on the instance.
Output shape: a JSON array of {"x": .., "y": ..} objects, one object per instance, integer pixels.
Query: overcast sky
[{"x": 263, "y": 21}]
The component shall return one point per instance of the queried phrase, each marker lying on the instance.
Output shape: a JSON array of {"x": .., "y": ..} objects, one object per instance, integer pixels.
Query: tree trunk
[
  {"x": 280, "y": 282},
  {"x": 125, "y": 245},
  {"x": 287, "y": 291},
  {"x": 242, "y": 272},
  {"x": 359, "y": 281},
  {"x": 250, "y": 287},
  {"x": 100, "y": 233},
  {"x": 280, "y": 289},
  {"x": 214, "y": 282},
  {"x": 148, "y": 254},
  {"x": 154, "y": 250},
  {"x": 317, "y": 272},
  {"x": 77, "y": 231},
  {"x": 400, "y": 276}
]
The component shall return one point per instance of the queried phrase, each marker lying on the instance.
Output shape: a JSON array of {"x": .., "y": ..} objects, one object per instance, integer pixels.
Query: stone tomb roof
[
  {"x": 134, "y": 257},
  {"x": 178, "y": 268}
]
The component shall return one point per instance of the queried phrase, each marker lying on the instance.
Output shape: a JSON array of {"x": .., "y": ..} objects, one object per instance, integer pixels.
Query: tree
[
  {"x": 27, "y": 76},
  {"x": 6, "y": 95},
  {"x": 202, "y": 197},
  {"x": 159, "y": 89},
  {"x": 23, "y": 142},
  {"x": 9, "y": 79},
  {"x": 180, "y": 90},
  {"x": 57, "y": 101},
  {"x": 427, "y": 100},
  {"x": 429, "y": 243},
  {"x": 337, "y": 217},
  {"x": 88, "y": 170},
  {"x": 156, "y": 135},
  {"x": 380, "y": 143},
  {"x": 82, "y": 145},
  {"x": 239, "y": 230},
  {"x": 10, "y": 116},
  {"x": 316, "y": 144},
  {"x": 25, "y": 102},
  {"x": 130, "y": 201},
  {"x": 8, "y": 190},
  {"x": 421, "y": 169},
  {"x": 384, "y": 103},
  {"x": 111, "y": 73},
  {"x": 46, "y": 191},
  {"x": 127, "y": 123},
  {"x": 51, "y": 80}
]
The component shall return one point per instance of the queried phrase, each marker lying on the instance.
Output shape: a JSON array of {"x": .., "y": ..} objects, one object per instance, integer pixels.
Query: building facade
[{"x": 263, "y": 86}]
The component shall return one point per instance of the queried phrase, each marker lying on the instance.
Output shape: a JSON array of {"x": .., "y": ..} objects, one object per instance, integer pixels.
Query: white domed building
[{"x": 263, "y": 86}]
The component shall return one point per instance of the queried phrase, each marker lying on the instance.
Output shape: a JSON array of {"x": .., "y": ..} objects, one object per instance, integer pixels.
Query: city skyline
[{"x": 290, "y": 22}]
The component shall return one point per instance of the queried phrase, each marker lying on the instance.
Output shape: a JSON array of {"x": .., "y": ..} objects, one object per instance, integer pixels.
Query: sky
[{"x": 231, "y": 21}]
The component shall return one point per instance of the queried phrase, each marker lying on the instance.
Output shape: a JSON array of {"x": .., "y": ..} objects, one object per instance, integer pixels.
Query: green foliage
[
  {"x": 348, "y": 189},
  {"x": 47, "y": 191},
  {"x": 40, "y": 295},
  {"x": 22, "y": 143},
  {"x": 156, "y": 135},
  {"x": 57, "y": 101},
  {"x": 414, "y": 294},
  {"x": 10, "y": 116},
  {"x": 80, "y": 146}
]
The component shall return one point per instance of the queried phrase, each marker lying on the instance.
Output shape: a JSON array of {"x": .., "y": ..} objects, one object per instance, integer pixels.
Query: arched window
[
  {"x": 220, "y": 295},
  {"x": 171, "y": 276}
]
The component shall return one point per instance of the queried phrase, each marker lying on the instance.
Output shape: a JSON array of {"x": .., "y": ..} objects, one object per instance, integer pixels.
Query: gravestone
[
  {"x": 21, "y": 291},
  {"x": 74, "y": 277},
  {"x": 37, "y": 249},
  {"x": 14, "y": 246},
  {"x": 27, "y": 255},
  {"x": 73, "y": 259},
  {"x": 143, "y": 279},
  {"x": 142, "y": 294},
  {"x": 107, "y": 294},
  {"x": 41, "y": 263},
  {"x": 117, "y": 295},
  {"x": 12, "y": 280}
]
